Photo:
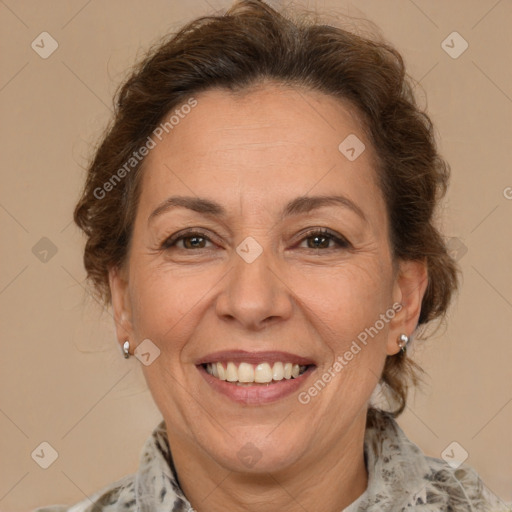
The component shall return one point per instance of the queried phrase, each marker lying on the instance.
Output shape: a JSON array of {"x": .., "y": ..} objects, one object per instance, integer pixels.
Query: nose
[{"x": 255, "y": 295}]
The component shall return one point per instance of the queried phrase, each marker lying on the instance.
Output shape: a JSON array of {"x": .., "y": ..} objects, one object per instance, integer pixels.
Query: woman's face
[{"x": 234, "y": 270}]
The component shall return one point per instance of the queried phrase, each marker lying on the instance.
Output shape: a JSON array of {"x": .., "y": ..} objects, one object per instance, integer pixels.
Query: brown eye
[
  {"x": 325, "y": 239},
  {"x": 193, "y": 242},
  {"x": 190, "y": 241},
  {"x": 319, "y": 242}
]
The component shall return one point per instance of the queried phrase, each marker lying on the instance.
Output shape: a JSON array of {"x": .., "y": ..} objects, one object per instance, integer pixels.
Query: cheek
[
  {"x": 166, "y": 303},
  {"x": 337, "y": 302},
  {"x": 348, "y": 298},
  {"x": 345, "y": 308}
]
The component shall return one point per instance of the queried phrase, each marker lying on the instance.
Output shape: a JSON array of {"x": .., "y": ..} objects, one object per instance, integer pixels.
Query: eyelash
[{"x": 341, "y": 242}]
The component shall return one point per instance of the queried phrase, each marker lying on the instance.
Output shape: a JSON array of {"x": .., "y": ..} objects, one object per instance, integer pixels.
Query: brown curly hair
[{"x": 250, "y": 43}]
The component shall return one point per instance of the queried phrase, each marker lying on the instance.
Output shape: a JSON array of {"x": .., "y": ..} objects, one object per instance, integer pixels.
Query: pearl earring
[
  {"x": 126, "y": 349},
  {"x": 403, "y": 339}
]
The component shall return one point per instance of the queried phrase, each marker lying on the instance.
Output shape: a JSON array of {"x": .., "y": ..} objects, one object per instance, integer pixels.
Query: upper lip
[{"x": 240, "y": 356}]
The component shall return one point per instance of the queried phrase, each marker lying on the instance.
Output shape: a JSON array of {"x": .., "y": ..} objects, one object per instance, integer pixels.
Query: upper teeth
[{"x": 247, "y": 372}]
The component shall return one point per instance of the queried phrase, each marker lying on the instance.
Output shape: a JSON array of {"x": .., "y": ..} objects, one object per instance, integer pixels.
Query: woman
[{"x": 260, "y": 217}]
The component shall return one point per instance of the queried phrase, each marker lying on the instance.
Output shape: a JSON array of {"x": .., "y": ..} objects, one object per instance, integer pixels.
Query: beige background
[{"x": 63, "y": 378}]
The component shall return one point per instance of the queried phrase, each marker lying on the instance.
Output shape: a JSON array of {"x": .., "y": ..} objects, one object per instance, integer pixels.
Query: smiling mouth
[{"x": 247, "y": 374}]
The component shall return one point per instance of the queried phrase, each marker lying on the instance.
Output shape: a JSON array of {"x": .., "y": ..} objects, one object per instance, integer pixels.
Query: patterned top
[{"x": 400, "y": 479}]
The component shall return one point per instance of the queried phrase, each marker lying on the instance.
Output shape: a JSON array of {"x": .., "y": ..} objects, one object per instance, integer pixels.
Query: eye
[
  {"x": 322, "y": 239},
  {"x": 188, "y": 240}
]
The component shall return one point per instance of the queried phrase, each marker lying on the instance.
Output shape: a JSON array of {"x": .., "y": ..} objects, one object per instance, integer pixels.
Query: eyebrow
[{"x": 302, "y": 204}]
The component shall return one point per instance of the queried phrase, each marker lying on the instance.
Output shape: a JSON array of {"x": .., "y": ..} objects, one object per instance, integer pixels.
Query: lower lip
[{"x": 257, "y": 394}]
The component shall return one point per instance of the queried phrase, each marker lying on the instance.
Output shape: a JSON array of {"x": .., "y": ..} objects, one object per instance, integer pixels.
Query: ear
[
  {"x": 121, "y": 305},
  {"x": 408, "y": 291}
]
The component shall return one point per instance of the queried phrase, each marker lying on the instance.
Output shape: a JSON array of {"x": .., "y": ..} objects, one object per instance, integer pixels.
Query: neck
[{"x": 334, "y": 478}]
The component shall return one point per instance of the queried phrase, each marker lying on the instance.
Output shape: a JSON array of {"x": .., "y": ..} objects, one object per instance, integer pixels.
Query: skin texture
[{"x": 252, "y": 153}]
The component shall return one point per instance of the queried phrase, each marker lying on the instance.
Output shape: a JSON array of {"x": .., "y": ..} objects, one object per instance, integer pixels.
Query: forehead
[{"x": 267, "y": 144}]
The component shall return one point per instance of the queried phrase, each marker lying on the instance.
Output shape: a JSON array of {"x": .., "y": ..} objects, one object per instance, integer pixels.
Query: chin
[{"x": 258, "y": 455}]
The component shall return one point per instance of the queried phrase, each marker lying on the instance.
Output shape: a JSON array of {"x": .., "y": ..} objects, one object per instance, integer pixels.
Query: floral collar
[{"x": 400, "y": 478}]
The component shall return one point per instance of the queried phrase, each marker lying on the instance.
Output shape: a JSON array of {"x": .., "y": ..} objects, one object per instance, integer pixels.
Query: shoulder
[
  {"x": 460, "y": 489},
  {"x": 404, "y": 477},
  {"x": 115, "y": 497},
  {"x": 154, "y": 484}
]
